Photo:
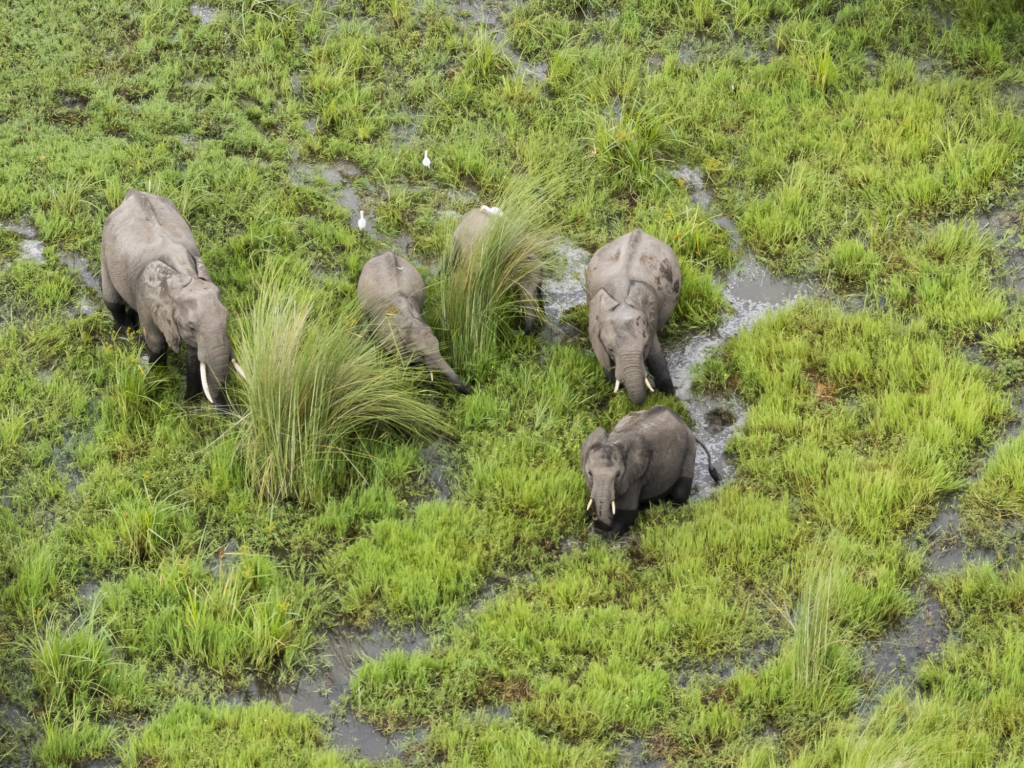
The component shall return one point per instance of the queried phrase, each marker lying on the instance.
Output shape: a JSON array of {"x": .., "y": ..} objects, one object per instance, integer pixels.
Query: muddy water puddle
[
  {"x": 896, "y": 657},
  {"x": 345, "y": 650},
  {"x": 633, "y": 757},
  {"x": 566, "y": 291},
  {"x": 487, "y": 15},
  {"x": 752, "y": 291}
]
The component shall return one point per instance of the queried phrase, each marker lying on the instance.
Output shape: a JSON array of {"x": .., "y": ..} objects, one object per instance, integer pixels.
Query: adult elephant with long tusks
[
  {"x": 649, "y": 456},
  {"x": 470, "y": 234},
  {"x": 632, "y": 287},
  {"x": 153, "y": 277},
  {"x": 391, "y": 294}
]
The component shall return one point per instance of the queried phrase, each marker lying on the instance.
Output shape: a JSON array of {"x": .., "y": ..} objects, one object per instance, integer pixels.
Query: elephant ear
[
  {"x": 161, "y": 291},
  {"x": 638, "y": 458},
  {"x": 597, "y": 437},
  {"x": 600, "y": 307}
]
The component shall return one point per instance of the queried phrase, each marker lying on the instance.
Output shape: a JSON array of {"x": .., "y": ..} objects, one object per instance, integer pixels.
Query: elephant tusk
[
  {"x": 431, "y": 375},
  {"x": 616, "y": 387},
  {"x": 590, "y": 504},
  {"x": 206, "y": 387},
  {"x": 648, "y": 383},
  {"x": 613, "y": 509},
  {"x": 238, "y": 368}
]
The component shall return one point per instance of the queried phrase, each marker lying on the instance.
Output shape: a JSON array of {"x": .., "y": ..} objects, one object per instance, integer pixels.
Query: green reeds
[
  {"x": 317, "y": 393},
  {"x": 477, "y": 304}
]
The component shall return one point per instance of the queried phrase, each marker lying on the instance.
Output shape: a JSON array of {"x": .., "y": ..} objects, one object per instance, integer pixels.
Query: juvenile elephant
[
  {"x": 152, "y": 276},
  {"x": 632, "y": 287},
  {"x": 469, "y": 233},
  {"x": 391, "y": 294},
  {"x": 649, "y": 456}
]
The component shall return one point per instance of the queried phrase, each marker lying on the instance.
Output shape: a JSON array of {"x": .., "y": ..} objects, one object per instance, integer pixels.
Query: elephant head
[
  {"x": 610, "y": 468},
  {"x": 430, "y": 349},
  {"x": 186, "y": 308},
  {"x": 619, "y": 332},
  {"x": 410, "y": 333}
]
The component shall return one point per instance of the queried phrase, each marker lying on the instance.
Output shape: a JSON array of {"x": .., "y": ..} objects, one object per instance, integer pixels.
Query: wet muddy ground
[{"x": 344, "y": 651}]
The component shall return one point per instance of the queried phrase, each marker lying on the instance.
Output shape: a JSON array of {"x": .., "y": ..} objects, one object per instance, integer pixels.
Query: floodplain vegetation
[{"x": 865, "y": 146}]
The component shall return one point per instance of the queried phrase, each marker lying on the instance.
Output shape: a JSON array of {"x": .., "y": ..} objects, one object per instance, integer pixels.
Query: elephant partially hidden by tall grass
[
  {"x": 152, "y": 276},
  {"x": 632, "y": 288},
  {"x": 470, "y": 237},
  {"x": 391, "y": 294}
]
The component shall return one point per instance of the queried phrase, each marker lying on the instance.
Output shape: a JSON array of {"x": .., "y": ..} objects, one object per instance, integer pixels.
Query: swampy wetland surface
[{"x": 843, "y": 185}]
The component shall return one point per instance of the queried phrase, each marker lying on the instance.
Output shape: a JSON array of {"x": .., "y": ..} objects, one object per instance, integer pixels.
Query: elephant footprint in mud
[
  {"x": 152, "y": 277},
  {"x": 649, "y": 456},
  {"x": 632, "y": 287},
  {"x": 391, "y": 294}
]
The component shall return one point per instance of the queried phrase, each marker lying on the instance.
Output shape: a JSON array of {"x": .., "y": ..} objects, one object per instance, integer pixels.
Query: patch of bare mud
[{"x": 205, "y": 13}]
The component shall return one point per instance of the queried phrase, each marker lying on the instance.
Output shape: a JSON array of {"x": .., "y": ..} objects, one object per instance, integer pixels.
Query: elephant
[
  {"x": 152, "y": 276},
  {"x": 391, "y": 294},
  {"x": 649, "y": 456},
  {"x": 632, "y": 287},
  {"x": 469, "y": 232}
]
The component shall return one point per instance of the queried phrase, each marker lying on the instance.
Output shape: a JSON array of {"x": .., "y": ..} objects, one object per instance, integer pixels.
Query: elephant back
[
  {"x": 632, "y": 259},
  {"x": 385, "y": 277}
]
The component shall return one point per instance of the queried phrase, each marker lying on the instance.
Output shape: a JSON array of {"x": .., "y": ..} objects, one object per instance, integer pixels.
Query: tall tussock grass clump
[
  {"x": 477, "y": 305},
  {"x": 318, "y": 393}
]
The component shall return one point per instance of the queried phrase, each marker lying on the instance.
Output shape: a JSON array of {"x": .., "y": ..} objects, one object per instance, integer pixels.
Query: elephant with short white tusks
[
  {"x": 153, "y": 277},
  {"x": 648, "y": 457},
  {"x": 632, "y": 288},
  {"x": 391, "y": 294},
  {"x": 469, "y": 233}
]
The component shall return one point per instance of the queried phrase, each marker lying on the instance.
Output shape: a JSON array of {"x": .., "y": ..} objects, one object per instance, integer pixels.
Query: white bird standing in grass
[
  {"x": 488, "y": 209},
  {"x": 362, "y": 221},
  {"x": 426, "y": 160}
]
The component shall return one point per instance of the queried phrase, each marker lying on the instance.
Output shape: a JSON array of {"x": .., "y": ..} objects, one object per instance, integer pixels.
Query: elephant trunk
[
  {"x": 603, "y": 497},
  {"x": 435, "y": 362},
  {"x": 631, "y": 372},
  {"x": 214, "y": 363}
]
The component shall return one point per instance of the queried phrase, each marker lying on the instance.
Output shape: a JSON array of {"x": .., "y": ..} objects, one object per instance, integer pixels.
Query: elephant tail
[{"x": 711, "y": 467}]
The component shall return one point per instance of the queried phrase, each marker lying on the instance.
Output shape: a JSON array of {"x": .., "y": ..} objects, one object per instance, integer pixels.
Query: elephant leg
[
  {"x": 125, "y": 318},
  {"x": 193, "y": 382},
  {"x": 680, "y": 492},
  {"x": 658, "y": 367},
  {"x": 624, "y": 519}
]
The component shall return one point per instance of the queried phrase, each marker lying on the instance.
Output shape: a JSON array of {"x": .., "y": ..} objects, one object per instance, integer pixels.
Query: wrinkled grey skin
[
  {"x": 153, "y": 277},
  {"x": 468, "y": 232},
  {"x": 649, "y": 456},
  {"x": 391, "y": 294},
  {"x": 632, "y": 288}
]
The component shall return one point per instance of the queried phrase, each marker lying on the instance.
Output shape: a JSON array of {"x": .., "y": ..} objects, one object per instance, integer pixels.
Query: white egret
[
  {"x": 426, "y": 160},
  {"x": 362, "y": 221}
]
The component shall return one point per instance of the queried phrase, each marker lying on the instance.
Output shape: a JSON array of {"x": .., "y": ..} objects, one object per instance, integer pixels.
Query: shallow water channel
[{"x": 345, "y": 650}]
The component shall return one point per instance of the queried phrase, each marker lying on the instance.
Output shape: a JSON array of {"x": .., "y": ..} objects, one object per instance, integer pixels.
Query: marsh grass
[
  {"x": 234, "y": 737},
  {"x": 475, "y": 305},
  {"x": 249, "y": 617},
  {"x": 881, "y": 123},
  {"x": 317, "y": 389}
]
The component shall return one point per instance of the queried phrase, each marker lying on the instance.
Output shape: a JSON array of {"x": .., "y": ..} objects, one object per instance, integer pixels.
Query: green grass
[
  {"x": 858, "y": 145},
  {"x": 475, "y": 305},
  {"x": 318, "y": 396}
]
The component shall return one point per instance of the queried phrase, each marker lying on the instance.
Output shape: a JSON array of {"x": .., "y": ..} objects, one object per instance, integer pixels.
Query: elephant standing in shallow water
[
  {"x": 649, "y": 456},
  {"x": 632, "y": 288},
  {"x": 152, "y": 277},
  {"x": 470, "y": 232},
  {"x": 391, "y": 293}
]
